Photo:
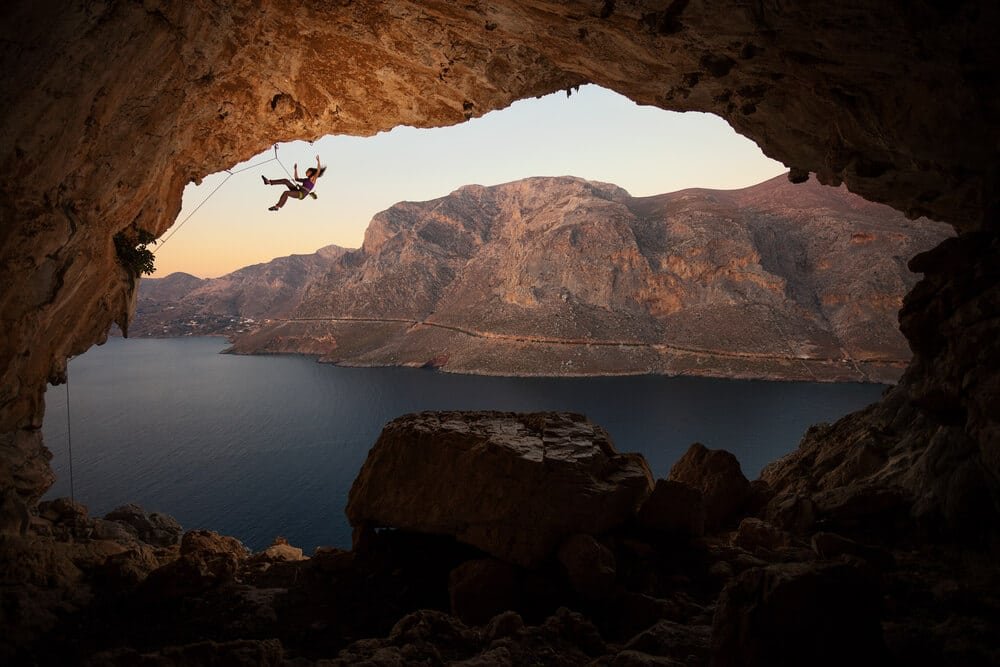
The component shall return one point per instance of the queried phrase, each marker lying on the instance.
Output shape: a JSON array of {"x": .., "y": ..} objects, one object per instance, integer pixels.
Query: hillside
[
  {"x": 564, "y": 276},
  {"x": 182, "y": 304}
]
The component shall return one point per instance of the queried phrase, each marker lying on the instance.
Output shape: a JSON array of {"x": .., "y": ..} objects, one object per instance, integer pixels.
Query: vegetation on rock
[{"x": 134, "y": 253}]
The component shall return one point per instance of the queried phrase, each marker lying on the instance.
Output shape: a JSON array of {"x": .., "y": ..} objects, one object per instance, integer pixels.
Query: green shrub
[{"x": 133, "y": 252}]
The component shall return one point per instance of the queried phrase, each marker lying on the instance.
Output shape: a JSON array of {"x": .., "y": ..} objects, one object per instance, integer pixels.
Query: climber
[{"x": 301, "y": 189}]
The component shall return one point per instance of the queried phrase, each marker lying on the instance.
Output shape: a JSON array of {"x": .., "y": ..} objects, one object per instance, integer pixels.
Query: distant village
[{"x": 192, "y": 325}]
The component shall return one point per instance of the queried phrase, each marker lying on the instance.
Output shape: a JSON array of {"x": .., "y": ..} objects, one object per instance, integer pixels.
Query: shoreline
[
  {"x": 861, "y": 371},
  {"x": 706, "y": 373}
]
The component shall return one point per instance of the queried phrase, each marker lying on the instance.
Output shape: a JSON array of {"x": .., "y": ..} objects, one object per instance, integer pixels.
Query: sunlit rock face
[
  {"x": 111, "y": 108},
  {"x": 562, "y": 276}
]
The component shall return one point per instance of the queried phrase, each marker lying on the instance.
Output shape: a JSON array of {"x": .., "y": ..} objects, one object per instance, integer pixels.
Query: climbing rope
[
  {"x": 230, "y": 173},
  {"x": 283, "y": 167},
  {"x": 69, "y": 438}
]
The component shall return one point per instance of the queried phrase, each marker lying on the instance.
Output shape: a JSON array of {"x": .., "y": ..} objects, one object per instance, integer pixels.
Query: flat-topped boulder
[{"x": 513, "y": 485}]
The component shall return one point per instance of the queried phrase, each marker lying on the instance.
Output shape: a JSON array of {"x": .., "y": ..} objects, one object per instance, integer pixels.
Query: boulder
[
  {"x": 674, "y": 508},
  {"x": 630, "y": 658},
  {"x": 280, "y": 551},
  {"x": 207, "y": 560},
  {"x": 428, "y": 637},
  {"x": 755, "y": 535},
  {"x": 799, "y": 614},
  {"x": 159, "y": 530},
  {"x": 513, "y": 485},
  {"x": 62, "y": 510},
  {"x": 717, "y": 474},
  {"x": 123, "y": 572},
  {"x": 426, "y": 625},
  {"x": 494, "y": 657},
  {"x": 102, "y": 529},
  {"x": 69, "y": 519},
  {"x": 759, "y": 496},
  {"x": 15, "y": 516},
  {"x": 575, "y": 629},
  {"x": 480, "y": 589},
  {"x": 832, "y": 545},
  {"x": 881, "y": 510},
  {"x": 505, "y": 624},
  {"x": 684, "y": 642},
  {"x": 792, "y": 511},
  {"x": 208, "y": 543},
  {"x": 236, "y": 653},
  {"x": 589, "y": 565},
  {"x": 628, "y": 613},
  {"x": 332, "y": 560}
]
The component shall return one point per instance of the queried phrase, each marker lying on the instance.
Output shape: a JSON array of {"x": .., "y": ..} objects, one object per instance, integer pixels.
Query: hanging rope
[
  {"x": 283, "y": 167},
  {"x": 230, "y": 173},
  {"x": 69, "y": 439}
]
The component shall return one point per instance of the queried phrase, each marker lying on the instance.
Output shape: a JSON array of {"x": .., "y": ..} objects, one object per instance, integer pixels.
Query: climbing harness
[{"x": 230, "y": 173}]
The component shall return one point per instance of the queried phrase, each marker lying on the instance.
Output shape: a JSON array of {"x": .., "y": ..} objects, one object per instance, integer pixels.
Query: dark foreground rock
[
  {"x": 799, "y": 614},
  {"x": 674, "y": 508},
  {"x": 513, "y": 485},
  {"x": 153, "y": 528},
  {"x": 717, "y": 474},
  {"x": 647, "y": 589},
  {"x": 238, "y": 653}
]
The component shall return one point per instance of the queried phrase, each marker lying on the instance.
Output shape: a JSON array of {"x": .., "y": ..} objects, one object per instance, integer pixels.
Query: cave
[{"x": 115, "y": 106}]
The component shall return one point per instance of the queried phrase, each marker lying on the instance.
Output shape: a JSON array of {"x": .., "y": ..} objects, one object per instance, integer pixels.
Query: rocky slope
[
  {"x": 182, "y": 304},
  {"x": 487, "y": 538},
  {"x": 563, "y": 276},
  {"x": 89, "y": 154}
]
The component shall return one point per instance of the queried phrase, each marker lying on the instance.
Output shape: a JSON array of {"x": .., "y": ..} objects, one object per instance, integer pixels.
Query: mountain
[
  {"x": 564, "y": 276},
  {"x": 182, "y": 304}
]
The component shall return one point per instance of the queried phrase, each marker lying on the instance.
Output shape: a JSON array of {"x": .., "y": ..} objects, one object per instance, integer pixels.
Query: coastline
[
  {"x": 883, "y": 376},
  {"x": 661, "y": 359},
  {"x": 405, "y": 343}
]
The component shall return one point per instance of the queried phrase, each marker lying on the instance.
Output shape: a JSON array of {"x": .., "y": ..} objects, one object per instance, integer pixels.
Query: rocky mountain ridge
[
  {"x": 182, "y": 304},
  {"x": 563, "y": 276}
]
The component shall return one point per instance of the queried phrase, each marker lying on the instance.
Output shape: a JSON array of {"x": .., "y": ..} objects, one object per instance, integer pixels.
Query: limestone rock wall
[{"x": 112, "y": 106}]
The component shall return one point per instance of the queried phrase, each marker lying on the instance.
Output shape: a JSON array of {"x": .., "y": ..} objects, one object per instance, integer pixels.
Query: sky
[{"x": 594, "y": 134}]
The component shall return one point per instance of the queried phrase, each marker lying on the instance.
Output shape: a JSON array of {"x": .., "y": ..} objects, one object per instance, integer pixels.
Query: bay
[{"x": 261, "y": 446}]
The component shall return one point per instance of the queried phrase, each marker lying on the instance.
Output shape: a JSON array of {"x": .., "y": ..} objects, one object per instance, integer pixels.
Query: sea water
[{"x": 261, "y": 446}]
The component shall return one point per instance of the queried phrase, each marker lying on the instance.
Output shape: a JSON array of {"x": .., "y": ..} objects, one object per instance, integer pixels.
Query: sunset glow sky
[{"x": 594, "y": 134}]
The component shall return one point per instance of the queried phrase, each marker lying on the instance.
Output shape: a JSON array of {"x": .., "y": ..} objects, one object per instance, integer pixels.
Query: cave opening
[
  {"x": 594, "y": 133},
  {"x": 729, "y": 210},
  {"x": 113, "y": 107}
]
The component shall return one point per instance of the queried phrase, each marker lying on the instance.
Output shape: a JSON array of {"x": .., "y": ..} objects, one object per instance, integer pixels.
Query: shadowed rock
[
  {"x": 480, "y": 589},
  {"x": 688, "y": 643},
  {"x": 674, "y": 508},
  {"x": 717, "y": 474},
  {"x": 589, "y": 565},
  {"x": 160, "y": 530},
  {"x": 513, "y": 485},
  {"x": 754, "y": 534},
  {"x": 207, "y": 560},
  {"x": 799, "y": 614},
  {"x": 239, "y": 653}
]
